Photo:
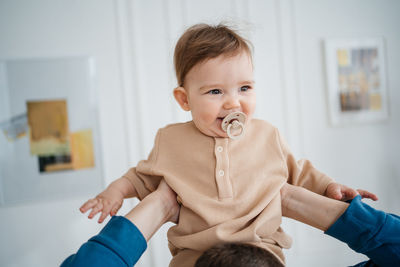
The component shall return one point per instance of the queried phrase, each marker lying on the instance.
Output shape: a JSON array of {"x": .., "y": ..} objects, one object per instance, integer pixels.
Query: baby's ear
[{"x": 181, "y": 97}]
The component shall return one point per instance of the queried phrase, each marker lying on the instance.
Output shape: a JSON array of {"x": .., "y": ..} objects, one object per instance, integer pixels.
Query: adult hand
[{"x": 154, "y": 210}]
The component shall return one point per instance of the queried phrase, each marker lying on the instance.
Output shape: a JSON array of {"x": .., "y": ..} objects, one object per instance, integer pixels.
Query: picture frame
[
  {"x": 356, "y": 80},
  {"x": 49, "y": 134}
]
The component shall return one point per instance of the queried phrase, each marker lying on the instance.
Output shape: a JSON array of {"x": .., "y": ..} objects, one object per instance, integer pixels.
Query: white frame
[{"x": 337, "y": 116}]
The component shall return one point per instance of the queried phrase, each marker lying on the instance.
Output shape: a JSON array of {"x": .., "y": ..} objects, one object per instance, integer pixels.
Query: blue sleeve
[
  {"x": 371, "y": 232},
  {"x": 120, "y": 243}
]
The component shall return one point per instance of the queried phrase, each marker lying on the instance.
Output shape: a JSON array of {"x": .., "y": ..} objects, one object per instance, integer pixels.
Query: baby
[{"x": 226, "y": 167}]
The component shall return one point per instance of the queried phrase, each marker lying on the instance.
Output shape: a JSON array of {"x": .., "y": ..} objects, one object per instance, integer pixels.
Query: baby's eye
[
  {"x": 214, "y": 92},
  {"x": 245, "y": 88}
]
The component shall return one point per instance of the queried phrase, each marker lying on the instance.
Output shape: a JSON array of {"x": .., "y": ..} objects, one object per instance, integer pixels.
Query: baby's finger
[
  {"x": 88, "y": 205},
  {"x": 366, "y": 194},
  {"x": 96, "y": 210},
  {"x": 105, "y": 212},
  {"x": 115, "y": 209},
  {"x": 349, "y": 193},
  {"x": 336, "y": 194}
]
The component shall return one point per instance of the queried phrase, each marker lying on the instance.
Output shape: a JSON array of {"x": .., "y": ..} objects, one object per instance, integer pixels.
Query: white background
[{"x": 132, "y": 43}]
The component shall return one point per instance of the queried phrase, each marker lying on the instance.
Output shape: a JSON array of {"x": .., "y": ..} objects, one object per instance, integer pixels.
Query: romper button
[
  {"x": 221, "y": 173},
  {"x": 220, "y": 149}
]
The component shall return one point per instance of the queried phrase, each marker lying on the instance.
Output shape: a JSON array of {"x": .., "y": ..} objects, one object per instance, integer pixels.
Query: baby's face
[{"x": 218, "y": 87}]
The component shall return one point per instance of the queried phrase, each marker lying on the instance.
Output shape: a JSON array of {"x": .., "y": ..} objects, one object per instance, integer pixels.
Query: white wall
[
  {"x": 42, "y": 234},
  {"x": 132, "y": 42},
  {"x": 361, "y": 155}
]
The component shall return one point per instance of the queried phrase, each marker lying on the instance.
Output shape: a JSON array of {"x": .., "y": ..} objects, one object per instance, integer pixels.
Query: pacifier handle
[
  {"x": 234, "y": 121},
  {"x": 235, "y": 124}
]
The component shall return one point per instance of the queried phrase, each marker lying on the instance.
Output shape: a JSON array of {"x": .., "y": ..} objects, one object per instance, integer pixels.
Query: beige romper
[{"x": 229, "y": 189}]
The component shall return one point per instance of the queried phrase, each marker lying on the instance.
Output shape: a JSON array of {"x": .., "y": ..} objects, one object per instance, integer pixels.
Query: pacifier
[{"x": 233, "y": 124}]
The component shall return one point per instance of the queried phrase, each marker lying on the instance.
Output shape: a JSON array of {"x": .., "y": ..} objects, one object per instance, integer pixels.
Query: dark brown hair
[
  {"x": 237, "y": 255},
  {"x": 201, "y": 42}
]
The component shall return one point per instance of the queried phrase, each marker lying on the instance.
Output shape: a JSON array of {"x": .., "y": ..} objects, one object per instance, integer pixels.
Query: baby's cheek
[
  {"x": 251, "y": 105},
  {"x": 208, "y": 117}
]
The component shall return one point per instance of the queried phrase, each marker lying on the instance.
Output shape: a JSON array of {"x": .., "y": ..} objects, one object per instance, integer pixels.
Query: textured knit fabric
[
  {"x": 371, "y": 232},
  {"x": 229, "y": 189},
  {"x": 119, "y": 244}
]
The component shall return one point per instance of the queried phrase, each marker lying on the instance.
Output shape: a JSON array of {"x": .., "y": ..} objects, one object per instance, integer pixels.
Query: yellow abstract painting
[
  {"x": 82, "y": 149},
  {"x": 48, "y": 125}
]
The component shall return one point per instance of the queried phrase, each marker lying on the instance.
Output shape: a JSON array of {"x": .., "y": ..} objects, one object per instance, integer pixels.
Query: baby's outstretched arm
[
  {"x": 110, "y": 200},
  {"x": 344, "y": 193}
]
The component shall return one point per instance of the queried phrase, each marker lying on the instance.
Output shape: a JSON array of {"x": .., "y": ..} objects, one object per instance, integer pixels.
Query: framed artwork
[
  {"x": 49, "y": 136},
  {"x": 356, "y": 80}
]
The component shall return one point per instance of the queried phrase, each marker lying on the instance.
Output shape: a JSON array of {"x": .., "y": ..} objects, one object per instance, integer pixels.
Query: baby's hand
[
  {"x": 342, "y": 192},
  {"x": 107, "y": 202}
]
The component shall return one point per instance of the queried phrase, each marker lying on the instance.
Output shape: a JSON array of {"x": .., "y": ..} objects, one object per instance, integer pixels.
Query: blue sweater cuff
[
  {"x": 369, "y": 231},
  {"x": 358, "y": 225},
  {"x": 122, "y": 237}
]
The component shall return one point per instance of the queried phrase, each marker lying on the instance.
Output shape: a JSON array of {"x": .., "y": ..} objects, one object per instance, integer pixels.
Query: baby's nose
[{"x": 231, "y": 102}]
